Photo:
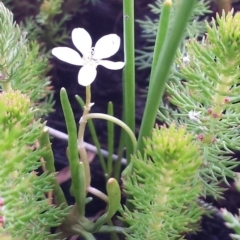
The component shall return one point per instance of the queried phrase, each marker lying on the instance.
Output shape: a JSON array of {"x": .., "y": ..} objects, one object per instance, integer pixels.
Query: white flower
[
  {"x": 186, "y": 59},
  {"x": 194, "y": 116},
  {"x": 105, "y": 47}
]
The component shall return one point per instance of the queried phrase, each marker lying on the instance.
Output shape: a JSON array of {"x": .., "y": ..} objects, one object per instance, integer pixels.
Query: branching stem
[{"x": 82, "y": 126}]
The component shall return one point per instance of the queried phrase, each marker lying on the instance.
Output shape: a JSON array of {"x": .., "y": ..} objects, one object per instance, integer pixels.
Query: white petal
[
  {"x": 86, "y": 75},
  {"x": 82, "y": 41},
  {"x": 106, "y": 46},
  {"x": 68, "y": 55},
  {"x": 111, "y": 65}
]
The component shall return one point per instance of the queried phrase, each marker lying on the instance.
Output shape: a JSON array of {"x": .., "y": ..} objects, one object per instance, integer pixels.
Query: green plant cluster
[
  {"x": 165, "y": 186},
  {"x": 25, "y": 212},
  {"x": 207, "y": 100},
  {"x": 233, "y": 222},
  {"x": 45, "y": 20},
  {"x": 170, "y": 166},
  {"x": 21, "y": 66}
]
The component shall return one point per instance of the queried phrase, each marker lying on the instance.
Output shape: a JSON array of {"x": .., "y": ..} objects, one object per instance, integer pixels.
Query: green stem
[
  {"x": 98, "y": 193},
  {"x": 49, "y": 164},
  {"x": 113, "y": 233},
  {"x": 116, "y": 229},
  {"x": 159, "y": 76},
  {"x": 116, "y": 121},
  {"x": 94, "y": 137},
  {"x": 110, "y": 128},
  {"x": 118, "y": 164},
  {"x": 86, "y": 235},
  {"x": 82, "y": 126},
  {"x": 82, "y": 189},
  {"x": 114, "y": 198},
  {"x": 129, "y": 71}
]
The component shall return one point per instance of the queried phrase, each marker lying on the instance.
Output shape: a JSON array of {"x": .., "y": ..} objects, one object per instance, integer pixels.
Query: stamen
[{"x": 92, "y": 51}]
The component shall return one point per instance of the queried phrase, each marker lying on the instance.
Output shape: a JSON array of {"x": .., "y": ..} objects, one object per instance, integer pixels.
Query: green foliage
[
  {"x": 44, "y": 20},
  {"x": 21, "y": 67},
  {"x": 149, "y": 27},
  {"x": 44, "y": 26},
  {"x": 233, "y": 222},
  {"x": 208, "y": 100},
  {"x": 164, "y": 186},
  {"x": 25, "y": 211}
]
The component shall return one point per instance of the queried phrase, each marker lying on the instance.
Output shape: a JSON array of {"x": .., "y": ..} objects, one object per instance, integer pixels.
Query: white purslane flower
[
  {"x": 105, "y": 47},
  {"x": 186, "y": 59},
  {"x": 194, "y": 116}
]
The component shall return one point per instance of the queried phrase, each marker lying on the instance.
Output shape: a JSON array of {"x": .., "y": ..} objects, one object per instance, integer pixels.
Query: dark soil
[{"x": 105, "y": 18}]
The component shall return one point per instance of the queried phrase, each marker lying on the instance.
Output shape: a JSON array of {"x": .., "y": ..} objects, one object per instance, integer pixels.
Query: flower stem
[
  {"x": 82, "y": 126},
  {"x": 116, "y": 121},
  {"x": 98, "y": 193},
  {"x": 94, "y": 138}
]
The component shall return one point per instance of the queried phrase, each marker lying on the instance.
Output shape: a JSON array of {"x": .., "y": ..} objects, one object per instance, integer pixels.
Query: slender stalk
[
  {"x": 160, "y": 74},
  {"x": 118, "y": 164},
  {"x": 90, "y": 147},
  {"x": 110, "y": 128},
  {"x": 116, "y": 121},
  {"x": 116, "y": 229},
  {"x": 98, "y": 193},
  {"x": 86, "y": 235},
  {"x": 50, "y": 168},
  {"x": 113, "y": 233},
  {"x": 129, "y": 71},
  {"x": 96, "y": 142},
  {"x": 82, "y": 126},
  {"x": 82, "y": 190},
  {"x": 83, "y": 121}
]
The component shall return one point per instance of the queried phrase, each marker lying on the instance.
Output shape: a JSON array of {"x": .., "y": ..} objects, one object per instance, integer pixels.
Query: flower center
[{"x": 89, "y": 60}]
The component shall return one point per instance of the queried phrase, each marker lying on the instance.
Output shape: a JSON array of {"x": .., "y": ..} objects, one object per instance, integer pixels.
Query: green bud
[
  {"x": 227, "y": 33},
  {"x": 16, "y": 109}
]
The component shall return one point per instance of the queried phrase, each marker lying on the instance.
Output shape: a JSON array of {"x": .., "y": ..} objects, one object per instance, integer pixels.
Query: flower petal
[
  {"x": 82, "y": 41},
  {"x": 86, "y": 75},
  {"x": 111, "y": 65},
  {"x": 67, "y": 55},
  {"x": 106, "y": 46}
]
